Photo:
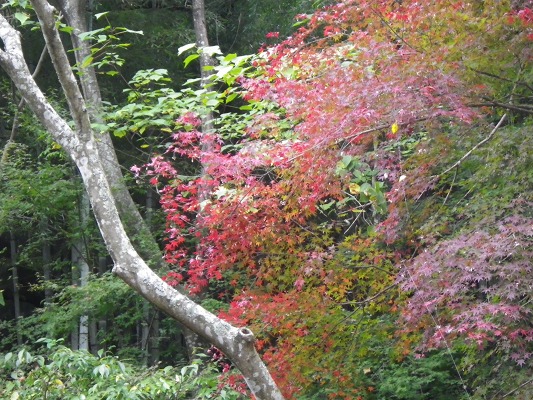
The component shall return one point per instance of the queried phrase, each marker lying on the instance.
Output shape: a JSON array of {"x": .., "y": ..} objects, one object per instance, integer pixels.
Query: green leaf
[
  {"x": 87, "y": 61},
  {"x": 190, "y": 58},
  {"x": 22, "y": 17},
  {"x": 229, "y": 57},
  {"x": 327, "y": 206},
  {"x": 120, "y": 133},
  {"x": 67, "y": 29},
  {"x": 212, "y": 103},
  {"x": 134, "y": 32},
  {"x": 231, "y": 97},
  {"x": 186, "y": 47},
  {"x": 90, "y": 35},
  {"x": 211, "y": 50},
  {"x": 224, "y": 70},
  {"x": 300, "y": 23},
  {"x": 100, "y": 15}
]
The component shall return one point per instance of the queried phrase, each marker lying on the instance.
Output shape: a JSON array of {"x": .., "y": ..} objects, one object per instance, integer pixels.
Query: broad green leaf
[
  {"x": 87, "y": 61},
  {"x": 224, "y": 70},
  {"x": 186, "y": 47},
  {"x": 100, "y": 15},
  {"x": 212, "y": 103},
  {"x": 231, "y": 97},
  {"x": 211, "y": 50},
  {"x": 229, "y": 57},
  {"x": 190, "y": 58},
  {"x": 22, "y": 17}
]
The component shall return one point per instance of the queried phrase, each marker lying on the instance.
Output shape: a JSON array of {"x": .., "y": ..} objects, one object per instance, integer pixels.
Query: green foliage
[
  {"x": 363, "y": 188},
  {"x": 482, "y": 185},
  {"x": 256, "y": 18},
  {"x": 104, "y": 44},
  {"x": 60, "y": 373},
  {"x": 165, "y": 30},
  {"x": 429, "y": 378},
  {"x": 30, "y": 190},
  {"x": 153, "y": 105}
]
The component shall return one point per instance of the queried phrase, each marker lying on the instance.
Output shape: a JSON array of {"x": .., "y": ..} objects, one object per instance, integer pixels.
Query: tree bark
[
  {"x": 202, "y": 40},
  {"x": 16, "y": 289},
  {"x": 46, "y": 252},
  {"x": 81, "y": 146},
  {"x": 80, "y": 247}
]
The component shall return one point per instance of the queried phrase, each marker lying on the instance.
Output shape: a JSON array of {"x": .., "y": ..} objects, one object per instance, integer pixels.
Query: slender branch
[
  {"x": 491, "y": 134},
  {"x": 521, "y": 83},
  {"x": 15, "y": 125},
  {"x": 451, "y": 187},
  {"x": 514, "y": 390},
  {"x": 526, "y": 108},
  {"x": 368, "y": 300},
  {"x": 76, "y": 103},
  {"x": 381, "y": 127}
]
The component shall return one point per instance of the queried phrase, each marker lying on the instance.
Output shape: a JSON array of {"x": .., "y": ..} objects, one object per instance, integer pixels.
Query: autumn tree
[{"x": 315, "y": 178}]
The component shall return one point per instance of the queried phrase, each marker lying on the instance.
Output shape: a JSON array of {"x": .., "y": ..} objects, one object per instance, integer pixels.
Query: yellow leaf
[
  {"x": 394, "y": 128},
  {"x": 354, "y": 188}
]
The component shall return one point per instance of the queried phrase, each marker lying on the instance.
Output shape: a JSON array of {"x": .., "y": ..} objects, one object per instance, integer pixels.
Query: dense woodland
[{"x": 343, "y": 187}]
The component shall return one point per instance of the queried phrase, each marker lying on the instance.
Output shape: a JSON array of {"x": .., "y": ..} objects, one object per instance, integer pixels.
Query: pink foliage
[{"x": 476, "y": 285}]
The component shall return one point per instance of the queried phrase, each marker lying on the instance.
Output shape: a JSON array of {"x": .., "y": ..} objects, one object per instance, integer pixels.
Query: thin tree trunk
[
  {"x": 202, "y": 41},
  {"x": 84, "y": 266},
  {"x": 192, "y": 341},
  {"x": 143, "y": 240},
  {"x": 16, "y": 289},
  {"x": 102, "y": 322},
  {"x": 153, "y": 343},
  {"x": 150, "y": 320},
  {"x": 93, "y": 336},
  {"x": 81, "y": 269},
  {"x": 136, "y": 227},
  {"x": 75, "y": 255},
  {"x": 46, "y": 260}
]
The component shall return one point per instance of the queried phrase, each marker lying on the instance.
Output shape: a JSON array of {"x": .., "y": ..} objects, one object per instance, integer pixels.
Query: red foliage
[{"x": 356, "y": 69}]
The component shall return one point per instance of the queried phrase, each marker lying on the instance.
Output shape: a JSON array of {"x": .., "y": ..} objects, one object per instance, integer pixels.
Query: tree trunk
[
  {"x": 16, "y": 290},
  {"x": 75, "y": 13},
  {"x": 46, "y": 259},
  {"x": 150, "y": 335},
  {"x": 194, "y": 343},
  {"x": 136, "y": 227},
  {"x": 102, "y": 322},
  {"x": 83, "y": 266},
  {"x": 81, "y": 146}
]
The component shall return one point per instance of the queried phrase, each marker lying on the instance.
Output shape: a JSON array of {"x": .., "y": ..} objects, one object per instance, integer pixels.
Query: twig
[
  {"x": 368, "y": 300},
  {"x": 491, "y": 134},
  {"x": 22, "y": 101},
  {"x": 451, "y": 187},
  {"x": 15, "y": 125},
  {"x": 514, "y": 390},
  {"x": 502, "y": 78},
  {"x": 525, "y": 108}
]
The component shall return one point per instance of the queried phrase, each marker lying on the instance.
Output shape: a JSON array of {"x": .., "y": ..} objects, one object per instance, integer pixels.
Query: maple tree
[{"x": 313, "y": 177}]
